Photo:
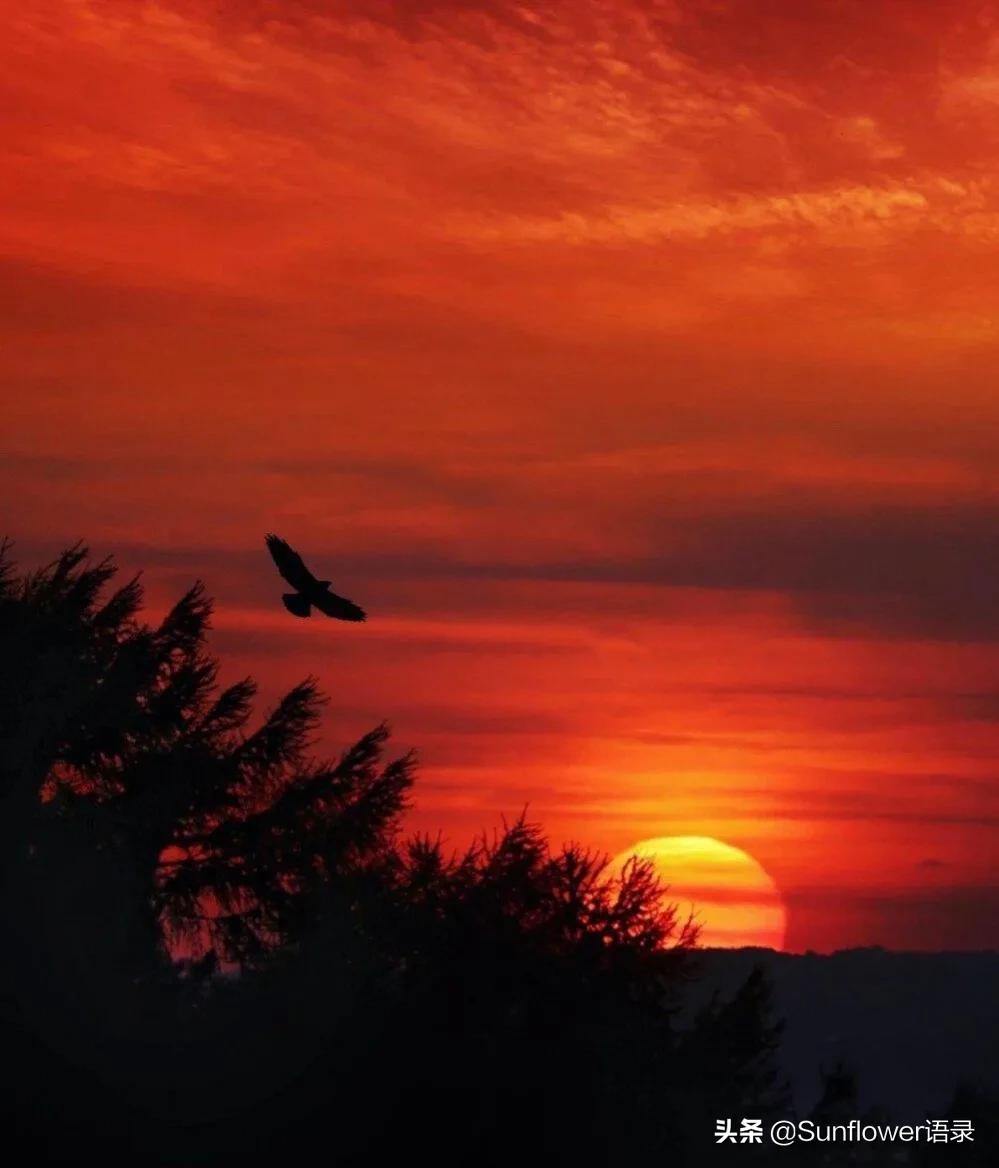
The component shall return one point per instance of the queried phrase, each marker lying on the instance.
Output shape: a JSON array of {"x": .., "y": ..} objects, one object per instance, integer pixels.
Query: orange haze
[{"x": 635, "y": 365}]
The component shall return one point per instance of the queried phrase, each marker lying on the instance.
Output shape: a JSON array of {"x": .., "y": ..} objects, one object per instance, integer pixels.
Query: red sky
[{"x": 633, "y": 364}]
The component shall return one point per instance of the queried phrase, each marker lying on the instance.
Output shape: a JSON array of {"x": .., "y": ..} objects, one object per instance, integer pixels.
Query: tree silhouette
[
  {"x": 124, "y": 726},
  {"x": 234, "y": 934},
  {"x": 977, "y": 1104},
  {"x": 744, "y": 1028}
]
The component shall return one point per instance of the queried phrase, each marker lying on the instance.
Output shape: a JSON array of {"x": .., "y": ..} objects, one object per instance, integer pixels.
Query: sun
[{"x": 733, "y": 897}]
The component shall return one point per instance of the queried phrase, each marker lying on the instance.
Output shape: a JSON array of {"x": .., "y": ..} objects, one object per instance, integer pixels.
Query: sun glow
[{"x": 733, "y": 898}]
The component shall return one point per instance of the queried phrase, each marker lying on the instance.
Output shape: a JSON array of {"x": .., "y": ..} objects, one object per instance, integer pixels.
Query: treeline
[{"x": 220, "y": 948}]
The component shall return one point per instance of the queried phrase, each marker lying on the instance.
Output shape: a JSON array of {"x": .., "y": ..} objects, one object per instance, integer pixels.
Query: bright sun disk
[{"x": 733, "y": 898}]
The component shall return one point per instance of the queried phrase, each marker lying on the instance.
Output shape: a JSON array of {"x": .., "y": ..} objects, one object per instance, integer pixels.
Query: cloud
[
  {"x": 635, "y": 363},
  {"x": 845, "y": 566},
  {"x": 838, "y": 212}
]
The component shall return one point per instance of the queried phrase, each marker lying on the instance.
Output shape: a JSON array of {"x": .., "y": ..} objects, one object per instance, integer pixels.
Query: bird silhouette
[{"x": 309, "y": 592}]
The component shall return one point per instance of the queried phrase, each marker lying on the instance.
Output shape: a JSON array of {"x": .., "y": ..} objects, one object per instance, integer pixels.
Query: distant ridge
[{"x": 911, "y": 1024}]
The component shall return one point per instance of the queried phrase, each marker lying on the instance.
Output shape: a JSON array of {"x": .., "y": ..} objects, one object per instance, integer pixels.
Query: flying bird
[{"x": 309, "y": 592}]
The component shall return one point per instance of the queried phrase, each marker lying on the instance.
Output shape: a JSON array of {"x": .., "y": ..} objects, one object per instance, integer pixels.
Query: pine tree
[
  {"x": 526, "y": 992},
  {"x": 120, "y": 733}
]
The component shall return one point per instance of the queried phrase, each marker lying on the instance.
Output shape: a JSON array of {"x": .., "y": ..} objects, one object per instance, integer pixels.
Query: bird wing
[
  {"x": 290, "y": 564},
  {"x": 337, "y": 606}
]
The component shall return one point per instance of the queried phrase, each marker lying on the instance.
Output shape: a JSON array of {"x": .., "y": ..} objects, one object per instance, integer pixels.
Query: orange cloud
[{"x": 634, "y": 364}]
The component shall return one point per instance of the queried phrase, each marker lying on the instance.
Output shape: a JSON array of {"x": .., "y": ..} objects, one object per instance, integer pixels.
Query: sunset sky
[{"x": 634, "y": 365}]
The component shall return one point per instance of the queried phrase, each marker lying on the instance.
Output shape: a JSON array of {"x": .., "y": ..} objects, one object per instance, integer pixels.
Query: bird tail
[{"x": 296, "y": 603}]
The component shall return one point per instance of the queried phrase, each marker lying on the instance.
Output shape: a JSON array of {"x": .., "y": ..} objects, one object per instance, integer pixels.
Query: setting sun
[
  {"x": 444, "y": 443},
  {"x": 733, "y": 899}
]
